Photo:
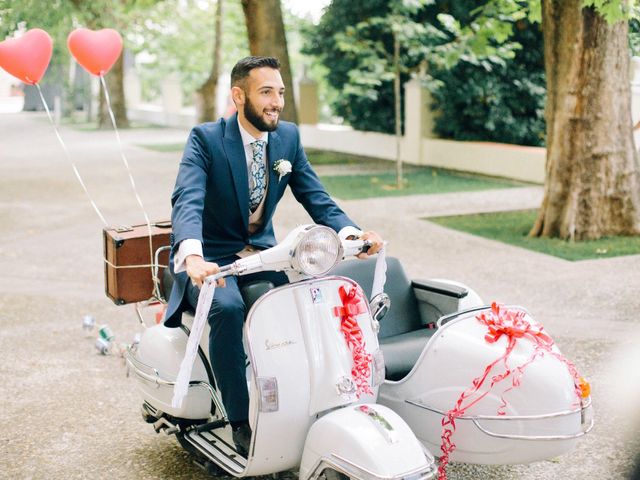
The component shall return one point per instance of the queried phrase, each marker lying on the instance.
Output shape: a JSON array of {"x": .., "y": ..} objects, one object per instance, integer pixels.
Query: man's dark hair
[{"x": 244, "y": 66}]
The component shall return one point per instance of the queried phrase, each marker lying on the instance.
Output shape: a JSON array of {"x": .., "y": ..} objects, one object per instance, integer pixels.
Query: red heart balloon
[
  {"x": 95, "y": 51},
  {"x": 28, "y": 56}
]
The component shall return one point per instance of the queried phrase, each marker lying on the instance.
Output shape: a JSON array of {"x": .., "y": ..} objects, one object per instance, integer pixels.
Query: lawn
[
  {"x": 164, "y": 147},
  {"x": 417, "y": 180},
  {"x": 513, "y": 227}
]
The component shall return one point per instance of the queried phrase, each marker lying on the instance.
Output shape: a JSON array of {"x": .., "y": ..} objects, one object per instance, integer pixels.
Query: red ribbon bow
[
  {"x": 514, "y": 326},
  {"x": 353, "y": 304}
]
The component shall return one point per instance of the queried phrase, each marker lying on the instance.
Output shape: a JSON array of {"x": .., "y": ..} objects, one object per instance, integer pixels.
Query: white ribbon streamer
[
  {"x": 131, "y": 180},
  {"x": 380, "y": 273},
  {"x": 73, "y": 164},
  {"x": 202, "y": 312}
]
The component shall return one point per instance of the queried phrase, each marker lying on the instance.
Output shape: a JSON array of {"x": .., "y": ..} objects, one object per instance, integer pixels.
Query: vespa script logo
[{"x": 269, "y": 345}]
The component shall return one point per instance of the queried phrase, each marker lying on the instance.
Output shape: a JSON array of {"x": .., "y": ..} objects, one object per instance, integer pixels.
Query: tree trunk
[
  {"x": 265, "y": 29},
  {"x": 115, "y": 85},
  {"x": 397, "y": 99},
  {"x": 592, "y": 186},
  {"x": 205, "y": 96}
]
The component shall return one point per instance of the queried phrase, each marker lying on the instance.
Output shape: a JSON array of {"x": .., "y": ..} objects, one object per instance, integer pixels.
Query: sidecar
[{"x": 434, "y": 348}]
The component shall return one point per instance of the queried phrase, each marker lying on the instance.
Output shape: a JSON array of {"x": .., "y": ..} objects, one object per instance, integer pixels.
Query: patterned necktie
[{"x": 257, "y": 174}]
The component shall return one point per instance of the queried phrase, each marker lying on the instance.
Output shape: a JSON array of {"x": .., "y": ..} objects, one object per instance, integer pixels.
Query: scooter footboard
[{"x": 365, "y": 441}]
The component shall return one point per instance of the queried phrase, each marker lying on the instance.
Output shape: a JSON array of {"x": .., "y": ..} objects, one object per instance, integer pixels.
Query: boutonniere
[{"x": 282, "y": 167}]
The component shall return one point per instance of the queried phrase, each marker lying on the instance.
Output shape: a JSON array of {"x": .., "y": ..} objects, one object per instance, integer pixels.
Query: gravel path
[{"x": 69, "y": 413}]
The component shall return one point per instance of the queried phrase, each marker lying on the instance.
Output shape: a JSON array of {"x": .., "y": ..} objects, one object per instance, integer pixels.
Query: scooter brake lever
[{"x": 366, "y": 246}]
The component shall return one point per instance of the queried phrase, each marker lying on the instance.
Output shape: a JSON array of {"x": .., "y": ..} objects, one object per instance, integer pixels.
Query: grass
[
  {"x": 164, "y": 147},
  {"x": 325, "y": 157},
  {"x": 417, "y": 180},
  {"x": 513, "y": 227}
]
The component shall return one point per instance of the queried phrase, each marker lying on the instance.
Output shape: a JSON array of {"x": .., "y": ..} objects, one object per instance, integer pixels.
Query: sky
[{"x": 304, "y": 7}]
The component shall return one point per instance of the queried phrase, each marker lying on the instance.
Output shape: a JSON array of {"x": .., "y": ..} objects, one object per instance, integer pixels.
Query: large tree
[
  {"x": 592, "y": 186},
  {"x": 265, "y": 29},
  {"x": 205, "y": 95}
]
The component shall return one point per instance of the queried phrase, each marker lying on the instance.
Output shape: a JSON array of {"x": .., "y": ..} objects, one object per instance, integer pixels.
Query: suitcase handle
[{"x": 166, "y": 224}]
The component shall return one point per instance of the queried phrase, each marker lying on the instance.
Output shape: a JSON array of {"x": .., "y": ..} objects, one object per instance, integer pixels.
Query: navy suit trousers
[{"x": 226, "y": 351}]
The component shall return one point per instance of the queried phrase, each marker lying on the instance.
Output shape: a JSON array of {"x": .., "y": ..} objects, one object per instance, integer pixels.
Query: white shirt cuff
[
  {"x": 187, "y": 247},
  {"x": 348, "y": 231}
]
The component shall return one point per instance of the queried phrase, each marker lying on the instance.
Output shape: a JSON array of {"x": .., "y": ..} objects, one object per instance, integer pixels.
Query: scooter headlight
[{"x": 317, "y": 251}]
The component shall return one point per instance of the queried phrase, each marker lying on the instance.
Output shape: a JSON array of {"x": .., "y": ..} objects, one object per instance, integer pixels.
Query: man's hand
[
  {"x": 198, "y": 270},
  {"x": 376, "y": 244}
]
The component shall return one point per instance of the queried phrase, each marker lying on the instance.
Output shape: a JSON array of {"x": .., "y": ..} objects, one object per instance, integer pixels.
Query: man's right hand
[{"x": 198, "y": 270}]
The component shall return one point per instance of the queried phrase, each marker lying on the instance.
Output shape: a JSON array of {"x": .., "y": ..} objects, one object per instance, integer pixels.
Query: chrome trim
[
  {"x": 477, "y": 418},
  {"x": 447, "y": 318},
  {"x": 346, "y": 467},
  {"x": 136, "y": 366},
  {"x": 157, "y": 291}
]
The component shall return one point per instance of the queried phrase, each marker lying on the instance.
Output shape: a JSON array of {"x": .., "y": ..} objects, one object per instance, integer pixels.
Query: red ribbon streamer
[
  {"x": 353, "y": 304},
  {"x": 513, "y": 325}
]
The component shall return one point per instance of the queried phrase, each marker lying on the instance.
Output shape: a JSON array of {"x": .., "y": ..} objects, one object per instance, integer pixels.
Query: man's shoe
[{"x": 242, "y": 439}]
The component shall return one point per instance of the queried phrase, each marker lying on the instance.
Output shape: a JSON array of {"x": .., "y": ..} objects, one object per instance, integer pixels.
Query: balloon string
[
  {"x": 156, "y": 286},
  {"x": 66, "y": 152}
]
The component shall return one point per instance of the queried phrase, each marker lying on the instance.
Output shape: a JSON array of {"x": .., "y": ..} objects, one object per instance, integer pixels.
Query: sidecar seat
[{"x": 403, "y": 333}]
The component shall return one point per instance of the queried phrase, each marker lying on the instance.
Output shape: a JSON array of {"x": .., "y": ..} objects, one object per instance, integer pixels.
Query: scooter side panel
[
  {"x": 276, "y": 348},
  {"x": 162, "y": 349},
  {"x": 293, "y": 335},
  {"x": 453, "y": 357},
  {"x": 329, "y": 357}
]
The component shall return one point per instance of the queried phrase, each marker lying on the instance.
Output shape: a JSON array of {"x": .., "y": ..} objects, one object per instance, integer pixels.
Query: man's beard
[{"x": 252, "y": 115}]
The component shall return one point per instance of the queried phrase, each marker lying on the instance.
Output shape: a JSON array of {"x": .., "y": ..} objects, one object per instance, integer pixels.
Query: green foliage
[
  {"x": 495, "y": 93},
  {"x": 417, "y": 181},
  {"x": 177, "y": 37},
  {"x": 501, "y": 102},
  {"x": 612, "y": 10},
  {"x": 354, "y": 41}
]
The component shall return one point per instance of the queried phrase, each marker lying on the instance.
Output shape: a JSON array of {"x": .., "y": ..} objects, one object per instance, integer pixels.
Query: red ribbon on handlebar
[{"x": 354, "y": 304}]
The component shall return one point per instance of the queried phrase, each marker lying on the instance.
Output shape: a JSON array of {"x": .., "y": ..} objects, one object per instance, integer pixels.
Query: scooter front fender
[{"x": 366, "y": 441}]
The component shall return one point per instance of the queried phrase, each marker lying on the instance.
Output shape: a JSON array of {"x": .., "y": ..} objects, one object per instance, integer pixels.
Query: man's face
[{"x": 263, "y": 98}]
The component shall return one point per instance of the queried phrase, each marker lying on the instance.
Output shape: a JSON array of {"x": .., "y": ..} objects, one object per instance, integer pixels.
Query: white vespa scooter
[
  {"x": 304, "y": 408},
  {"x": 428, "y": 352}
]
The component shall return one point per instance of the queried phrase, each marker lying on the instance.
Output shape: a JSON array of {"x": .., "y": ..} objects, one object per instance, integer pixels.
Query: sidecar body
[{"x": 434, "y": 349}]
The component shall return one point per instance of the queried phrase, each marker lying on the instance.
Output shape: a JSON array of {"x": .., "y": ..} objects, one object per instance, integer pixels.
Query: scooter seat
[
  {"x": 401, "y": 352},
  {"x": 402, "y": 334},
  {"x": 250, "y": 292}
]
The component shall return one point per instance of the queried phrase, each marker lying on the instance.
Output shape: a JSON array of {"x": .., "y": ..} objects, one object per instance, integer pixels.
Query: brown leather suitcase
[{"x": 128, "y": 275}]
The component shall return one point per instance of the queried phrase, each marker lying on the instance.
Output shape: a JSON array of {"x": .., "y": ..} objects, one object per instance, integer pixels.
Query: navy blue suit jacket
[{"x": 211, "y": 196}]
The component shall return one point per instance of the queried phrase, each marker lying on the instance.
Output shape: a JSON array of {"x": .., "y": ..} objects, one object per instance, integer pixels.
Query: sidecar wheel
[{"x": 331, "y": 474}]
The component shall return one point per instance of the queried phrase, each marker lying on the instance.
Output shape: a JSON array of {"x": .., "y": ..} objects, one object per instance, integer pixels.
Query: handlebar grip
[{"x": 366, "y": 245}]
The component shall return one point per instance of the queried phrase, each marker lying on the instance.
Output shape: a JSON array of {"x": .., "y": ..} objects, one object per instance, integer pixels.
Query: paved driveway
[{"x": 67, "y": 412}]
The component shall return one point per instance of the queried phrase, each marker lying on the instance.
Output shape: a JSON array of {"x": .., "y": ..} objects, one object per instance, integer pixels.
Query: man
[{"x": 226, "y": 193}]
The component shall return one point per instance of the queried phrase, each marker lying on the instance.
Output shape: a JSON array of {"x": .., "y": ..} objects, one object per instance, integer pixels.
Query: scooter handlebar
[
  {"x": 225, "y": 271},
  {"x": 353, "y": 248}
]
